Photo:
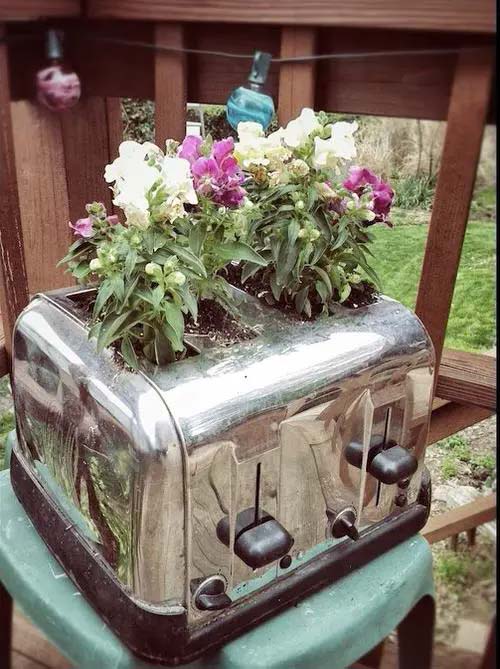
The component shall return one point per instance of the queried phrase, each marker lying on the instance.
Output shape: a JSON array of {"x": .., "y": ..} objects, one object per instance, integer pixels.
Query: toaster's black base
[{"x": 168, "y": 639}]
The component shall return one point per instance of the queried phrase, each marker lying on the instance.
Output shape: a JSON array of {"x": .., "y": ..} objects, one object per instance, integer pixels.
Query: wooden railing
[{"x": 52, "y": 164}]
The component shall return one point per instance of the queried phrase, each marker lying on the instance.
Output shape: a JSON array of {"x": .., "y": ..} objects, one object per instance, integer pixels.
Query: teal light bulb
[
  {"x": 250, "y": 102},
  {"x": 245, "y": 104}
]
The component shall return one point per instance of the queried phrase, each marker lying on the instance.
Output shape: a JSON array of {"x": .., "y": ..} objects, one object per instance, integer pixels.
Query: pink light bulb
[{"x": 57, "y": 86}]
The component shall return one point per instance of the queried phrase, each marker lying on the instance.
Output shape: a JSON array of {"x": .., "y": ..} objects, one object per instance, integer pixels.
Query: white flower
[
  {"x": 297, "y": 131},
  {"x": 299, "y": 167},
  {"x": 248, "y": 131},
  {"x": 340, "y": 145},
  {"x": 172, "y": 208},
  {"x": 129, "y": 153},
  {"x": 136, "y": 216},
  {"x": 177, "y": 179}
]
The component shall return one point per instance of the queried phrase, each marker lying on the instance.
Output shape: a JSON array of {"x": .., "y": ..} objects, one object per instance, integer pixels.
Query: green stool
[{"x": 330, "y": 629}]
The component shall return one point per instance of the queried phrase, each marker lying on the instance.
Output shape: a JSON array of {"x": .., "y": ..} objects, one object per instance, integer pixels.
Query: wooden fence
[{"x": 52, "y": 164}]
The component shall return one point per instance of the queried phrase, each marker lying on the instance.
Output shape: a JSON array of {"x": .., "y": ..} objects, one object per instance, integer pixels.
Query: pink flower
[
  {"x": 359, "y": 177},
  {"x": 190, "y": 148},
  {"x": 219, "y": 177},
  {"x": 83, "y": 227},
  {"x": 361, "y": 180},
  {"x": 113, "y": 219}
]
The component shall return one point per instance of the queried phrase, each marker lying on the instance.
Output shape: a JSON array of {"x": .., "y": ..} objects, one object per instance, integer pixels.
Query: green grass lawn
[{"x": 398, "y": 258}]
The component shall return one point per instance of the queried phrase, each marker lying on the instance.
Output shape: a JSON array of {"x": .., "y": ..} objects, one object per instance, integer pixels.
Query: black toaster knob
[
  {"x": 389, "y": 464},
  {"x": 393, "y": 465},
  {"x": 258, "y": 540},
  {"x": 210, "y": 594},
  {"x": 342, "y": 523}
]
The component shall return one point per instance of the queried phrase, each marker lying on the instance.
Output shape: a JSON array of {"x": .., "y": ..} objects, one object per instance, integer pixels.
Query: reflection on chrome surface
[{"x": 148, "y": 464}]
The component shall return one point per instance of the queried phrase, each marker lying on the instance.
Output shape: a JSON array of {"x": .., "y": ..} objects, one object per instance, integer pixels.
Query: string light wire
[{"x": 249, "y": 56}]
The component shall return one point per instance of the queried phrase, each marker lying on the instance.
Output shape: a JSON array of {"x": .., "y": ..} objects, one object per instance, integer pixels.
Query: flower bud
[
  {"x": 95, "y": 264},
  {"x": 314, "y": 234},
  {"x": 152, "y": 268},
  {"x": 302, "y": 233},
  {"x": 178, "y": 278},
  {"x": 299, "y": 205}
]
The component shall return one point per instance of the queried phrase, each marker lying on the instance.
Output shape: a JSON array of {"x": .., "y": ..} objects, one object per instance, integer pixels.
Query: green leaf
[
  {"x": 197, "y": 236},
  {"x": 293, "y": 231},
  {"x": 190, "y": 301},
  {"x": 322, "y": 291},
  {"x": 128, "y": 353},
  {"x": 130, "y": 262},
  {"x": 187, "y": 257},
  {"x": 240, "y": 251},
  {"x": 81, "y": 270},
  {"x": 325, "y": 279},
  {"x": 286, "y": 262},
  {"x": 301, "y": 298},
  {"x": 118, "y": 286},
  {"x": 113, "y": 325},
  {"x": 249, "y": 269},
  {"x": 103, "y": 294},
  {"x": 275, "y": 288},
  {"x": 164, "y": 348},
  {"x": 173, "y": 328},
  {"x": 342, "y": 237},
  {"x": 345, "y": 292}
]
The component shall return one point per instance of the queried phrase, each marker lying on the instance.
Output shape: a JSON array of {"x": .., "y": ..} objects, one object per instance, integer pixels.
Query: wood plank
[
  {"x": 5, "y": 627},
  {"x": 444, "y": 15},
  {"x": 297, "y": 82},
  {"x": 462, "y": 518},
  {"x": 86, "y": 153},
  {"x": 467, "y": 113},
  {"x": 13, "y": 276},
  {"x": 4, "y": 359},
  {"x": 170, "y": 86},
  {"x": 43, "y": 193},
  {"x": 452, "y": 418},
  {"x": 32, "y": 644},
  {"x": 469, "y": 378},
  {"x": 31, "y": 10},
  {"x": 488, "y": 661},
  {"x": 115, "y": 126}
]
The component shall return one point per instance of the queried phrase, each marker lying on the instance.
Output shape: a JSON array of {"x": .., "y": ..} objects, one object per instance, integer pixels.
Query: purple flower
[
  {"x": 83, "y": 227},
  {"x": 382, "y": 200},
  {"x": 361, "y": 180},
  {"x": 359, "y": 177},
  {"x": 113, "y": 219},
  {"x": 190, "y": 148},
  {"x": 219, "y": 177}
]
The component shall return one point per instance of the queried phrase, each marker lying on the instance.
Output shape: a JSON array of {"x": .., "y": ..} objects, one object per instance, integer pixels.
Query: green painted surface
[{"x": 330, "y": 629}]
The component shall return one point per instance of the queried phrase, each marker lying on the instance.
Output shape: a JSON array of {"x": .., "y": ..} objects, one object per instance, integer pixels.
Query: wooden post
[
  {"x": 466, "y": 117},
  {"x": 14, "y": 282},
  {"x": 297, "y": 80},
  {"x": 170, "y": 85}
]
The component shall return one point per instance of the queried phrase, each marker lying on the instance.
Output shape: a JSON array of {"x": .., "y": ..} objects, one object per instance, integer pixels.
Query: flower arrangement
[
  {"x": 186, "y": 217},
  {"x": 313, "y": 229},
  {"x": 284, "y": 208}
]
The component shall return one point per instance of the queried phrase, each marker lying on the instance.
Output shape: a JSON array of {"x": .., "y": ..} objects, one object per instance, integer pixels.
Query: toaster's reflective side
[
  {"x": 172, "y": 473},
  {"x": 101, "y": 441}
]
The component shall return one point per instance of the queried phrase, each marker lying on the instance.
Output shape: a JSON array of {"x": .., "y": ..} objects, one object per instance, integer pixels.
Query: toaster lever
[
  {"x": 387, "y": 463},
  {"x": 256, "y": 543}
]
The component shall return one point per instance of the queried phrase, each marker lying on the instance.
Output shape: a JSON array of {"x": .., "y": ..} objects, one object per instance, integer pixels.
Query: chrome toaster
[{"x": 190, "y": 502}]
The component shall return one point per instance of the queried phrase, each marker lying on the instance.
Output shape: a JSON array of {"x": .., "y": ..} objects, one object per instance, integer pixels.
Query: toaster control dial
[
  {"x": 210, "y": 595},
  {"x": 342, "y": 524}
]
